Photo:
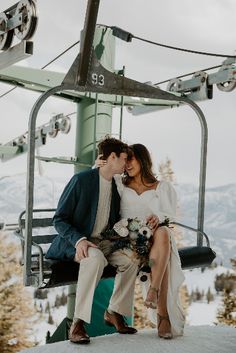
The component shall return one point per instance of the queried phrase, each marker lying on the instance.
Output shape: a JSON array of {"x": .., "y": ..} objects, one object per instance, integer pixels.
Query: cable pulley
[
  {"x": 5, "y": 36},
  {"x": 27, "y": 10},
  {"x": 65, "y": 125},
  {"x": 19, "y": 20}
]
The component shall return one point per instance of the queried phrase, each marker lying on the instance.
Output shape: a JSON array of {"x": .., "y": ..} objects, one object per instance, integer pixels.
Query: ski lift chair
[{"x": 52, "y": 273}]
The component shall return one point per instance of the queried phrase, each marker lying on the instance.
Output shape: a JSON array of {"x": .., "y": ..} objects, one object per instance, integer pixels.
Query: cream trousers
[{"x": 90, "y": 272}]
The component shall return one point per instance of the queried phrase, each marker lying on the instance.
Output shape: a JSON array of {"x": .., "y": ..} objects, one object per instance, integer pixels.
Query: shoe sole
[
  {"x": 108, "y": 323},
  {"x": 80, "y": 342}
]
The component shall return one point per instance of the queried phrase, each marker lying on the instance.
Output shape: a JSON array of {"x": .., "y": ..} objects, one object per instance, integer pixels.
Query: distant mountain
[
  {"x": 220, "y": 217},
  {"x": 220, "y": 208}
]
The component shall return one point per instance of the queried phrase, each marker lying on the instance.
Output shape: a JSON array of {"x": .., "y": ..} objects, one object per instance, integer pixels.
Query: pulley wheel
[
  {"x": 5, "y": 38},
  {"x": 228, "y": 86},
  {"x": 65, "y": 125},
  {"x": 26, "y": 9},
  {"x": 53, "y": 133}
]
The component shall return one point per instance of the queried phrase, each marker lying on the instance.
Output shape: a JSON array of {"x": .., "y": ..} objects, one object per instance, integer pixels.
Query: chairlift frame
[{"x": 88, "y": 75}]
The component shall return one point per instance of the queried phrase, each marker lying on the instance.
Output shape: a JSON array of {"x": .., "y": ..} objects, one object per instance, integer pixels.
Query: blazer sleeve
[{"x": 63, "y": 217}]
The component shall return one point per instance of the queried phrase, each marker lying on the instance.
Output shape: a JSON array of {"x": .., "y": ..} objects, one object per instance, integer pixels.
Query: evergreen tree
[
  {"x": 47, "y": 307},
  {"x": 63, "y": 298},
  {"x": 16, "y": 306},
  {"x": 209, "y": 296},
  {"x": 165, "y": 171},
  {"x": 227, "y": 314},
  {"x": 50, "y": 319}
]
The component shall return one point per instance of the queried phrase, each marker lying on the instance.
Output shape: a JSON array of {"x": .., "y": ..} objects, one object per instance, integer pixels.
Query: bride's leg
[
  {"x": 159, "y": 258},
  {"x": 164, "y": 327}
]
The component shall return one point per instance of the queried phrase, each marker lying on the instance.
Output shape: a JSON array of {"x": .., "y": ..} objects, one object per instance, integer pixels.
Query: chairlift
[{"x": 93, "y": 77}]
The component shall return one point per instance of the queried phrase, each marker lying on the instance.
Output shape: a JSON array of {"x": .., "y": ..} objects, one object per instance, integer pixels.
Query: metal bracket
[
  {"x": 195, "y": 89},
  {"x": 19, "y": 52},
  {"x": 19, "y": 144}
]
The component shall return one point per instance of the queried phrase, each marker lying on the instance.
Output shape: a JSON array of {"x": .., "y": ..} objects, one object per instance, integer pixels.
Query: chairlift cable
[
  {"x": 127, "y": 37},
  {"x": 184, "y": 49},
  {"x": 190, "y": 73}
]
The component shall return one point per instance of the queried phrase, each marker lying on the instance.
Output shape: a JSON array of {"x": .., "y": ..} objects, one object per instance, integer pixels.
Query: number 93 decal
[{"x": 98, "y": 79}]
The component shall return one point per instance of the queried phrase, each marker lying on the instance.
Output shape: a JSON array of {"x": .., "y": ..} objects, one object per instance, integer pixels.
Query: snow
[
  {"x": 200, "y": 313},
  {"x": 204, "y": 339}
]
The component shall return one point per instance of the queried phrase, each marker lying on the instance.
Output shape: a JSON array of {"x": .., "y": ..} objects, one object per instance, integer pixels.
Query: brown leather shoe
[
  {"x": 78, "y": 334},
  {"x": 118, "y": 321}
]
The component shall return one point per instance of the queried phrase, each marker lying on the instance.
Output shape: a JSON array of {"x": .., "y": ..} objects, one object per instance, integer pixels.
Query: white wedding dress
[{"x": 162, "y": 202}]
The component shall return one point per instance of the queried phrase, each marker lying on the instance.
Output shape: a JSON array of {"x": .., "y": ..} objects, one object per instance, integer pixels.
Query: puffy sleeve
[
  {"x": 119, "y": 184},
  {"x": 167, "y": 201}
]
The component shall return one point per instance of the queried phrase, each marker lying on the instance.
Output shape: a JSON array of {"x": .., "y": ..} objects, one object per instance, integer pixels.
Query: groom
[{"x": 89, "y": 203}]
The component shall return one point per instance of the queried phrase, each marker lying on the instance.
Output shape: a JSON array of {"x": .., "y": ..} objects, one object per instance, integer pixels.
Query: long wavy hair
[{"x": 141, "y": 153}]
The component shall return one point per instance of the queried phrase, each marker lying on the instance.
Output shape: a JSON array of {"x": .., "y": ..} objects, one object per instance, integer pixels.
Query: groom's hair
[{"x": 111, "y": 144}]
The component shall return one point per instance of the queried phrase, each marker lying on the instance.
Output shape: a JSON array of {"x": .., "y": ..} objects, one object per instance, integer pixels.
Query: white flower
[
  {"x": 133, "y": 235},
  {"x": 120, "y": 228},
  {"x": 123, "y": 232},
  {"x": 145, "y": 231},
  {"x": 134, "y": 225},
  {"x": 124, "y": 222}
]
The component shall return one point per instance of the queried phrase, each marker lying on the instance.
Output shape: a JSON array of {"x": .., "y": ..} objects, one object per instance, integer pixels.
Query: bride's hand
[
  {"x": 100, "y": 162},
  {"x": 152, "y": 222}
]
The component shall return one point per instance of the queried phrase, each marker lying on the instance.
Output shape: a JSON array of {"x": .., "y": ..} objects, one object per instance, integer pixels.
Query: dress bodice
[{"x": 160, "y": 201}]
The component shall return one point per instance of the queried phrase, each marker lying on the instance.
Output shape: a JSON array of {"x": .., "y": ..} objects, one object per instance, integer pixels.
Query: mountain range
[{"x": 220, "y": 209}]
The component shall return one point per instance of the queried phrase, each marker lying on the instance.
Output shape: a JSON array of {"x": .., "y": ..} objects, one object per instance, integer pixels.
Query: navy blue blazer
[{"x": 76, "y": 213}]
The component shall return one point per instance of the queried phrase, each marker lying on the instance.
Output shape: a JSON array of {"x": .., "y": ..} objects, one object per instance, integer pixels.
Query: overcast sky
[{"x": 200, "y": 25}]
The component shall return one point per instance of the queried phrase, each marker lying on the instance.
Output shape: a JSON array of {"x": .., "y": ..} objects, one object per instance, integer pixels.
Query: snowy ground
[{"x": 198, "y": 339}]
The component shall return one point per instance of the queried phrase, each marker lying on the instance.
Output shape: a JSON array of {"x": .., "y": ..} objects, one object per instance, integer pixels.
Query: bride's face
[{"x": 132, "y": 167}]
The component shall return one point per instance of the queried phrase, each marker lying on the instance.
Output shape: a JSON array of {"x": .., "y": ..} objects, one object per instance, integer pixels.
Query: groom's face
[{"x": 119, "y": 163}]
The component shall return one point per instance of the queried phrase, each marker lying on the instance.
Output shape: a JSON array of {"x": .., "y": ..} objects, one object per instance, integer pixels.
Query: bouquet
[{"x": 131, "y": 233}]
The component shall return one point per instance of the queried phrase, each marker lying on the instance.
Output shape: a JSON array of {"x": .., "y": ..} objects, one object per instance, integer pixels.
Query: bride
[{"x": 143, "y": 195}]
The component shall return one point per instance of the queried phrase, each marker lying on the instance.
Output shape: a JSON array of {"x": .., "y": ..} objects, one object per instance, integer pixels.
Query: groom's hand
[{"x": 82, "y": 249}]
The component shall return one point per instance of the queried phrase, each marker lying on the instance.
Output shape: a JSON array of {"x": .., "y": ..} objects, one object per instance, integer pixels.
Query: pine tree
[
  {"x": 165, "y": 171},
  {"x": 209, "y": 296},
  {"x": 50, "y": 319},
  {"x": 16, "y": 306},
  {"x": 57, "y": 301},
  {"x": 227, "y": 314},
  {"x": 63, "y": 298},
  {"x": 47, "y": 307}
]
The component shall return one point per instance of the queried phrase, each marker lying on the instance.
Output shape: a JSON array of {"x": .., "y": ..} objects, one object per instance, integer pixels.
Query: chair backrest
[{"x": 43, "y": 231}]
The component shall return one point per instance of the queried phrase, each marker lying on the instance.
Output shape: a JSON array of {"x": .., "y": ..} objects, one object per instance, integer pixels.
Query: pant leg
[
  {"x": 123, "y": 294},
  {"x": 90, "y": 272}
]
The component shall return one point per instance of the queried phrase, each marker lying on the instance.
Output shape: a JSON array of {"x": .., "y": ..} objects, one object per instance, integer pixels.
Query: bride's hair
[{"x": 141, "y": 153}]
